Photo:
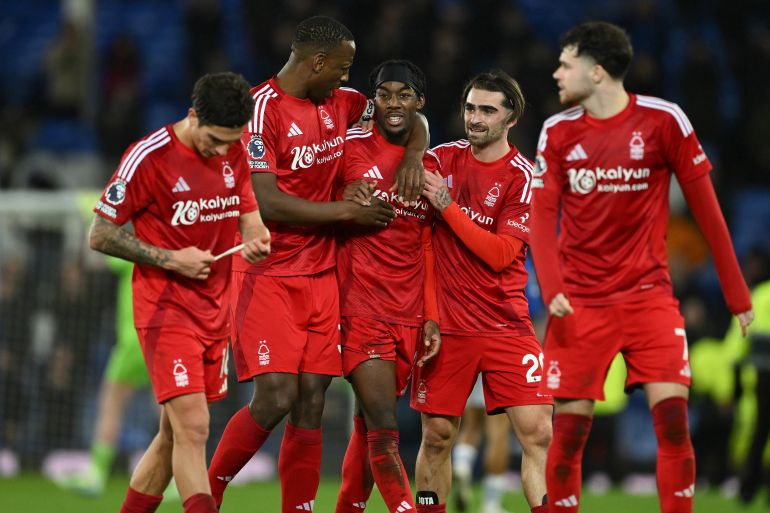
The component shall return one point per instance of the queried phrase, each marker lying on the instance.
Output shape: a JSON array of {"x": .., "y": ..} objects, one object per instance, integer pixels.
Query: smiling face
[
  {"x": 486, "y": 117},
  {"x": 396, "y": 105},
  {"x": 332, "y": 69},
  {"x": 573, "y": 76}
]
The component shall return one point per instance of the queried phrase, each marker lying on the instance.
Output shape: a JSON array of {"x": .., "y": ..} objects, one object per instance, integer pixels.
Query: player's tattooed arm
[
  {"x": 111, "y": 239},
  {"x": 436, "y": 191}
]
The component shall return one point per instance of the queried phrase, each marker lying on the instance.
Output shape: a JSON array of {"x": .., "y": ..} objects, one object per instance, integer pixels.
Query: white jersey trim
[
  {"x": 566, "y": 115},
  {"x": 676, "y": 112},
  {"x": 140, "y": 151},
  {"x": 520, "y": 162},
  {"x": 257, "y": 123}
]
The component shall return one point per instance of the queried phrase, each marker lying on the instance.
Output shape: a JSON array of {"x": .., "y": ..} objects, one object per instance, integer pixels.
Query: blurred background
[{"x": 82, "y": 79}]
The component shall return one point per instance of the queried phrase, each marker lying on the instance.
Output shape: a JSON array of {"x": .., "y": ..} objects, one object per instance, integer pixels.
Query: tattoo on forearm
[
  {"x": 443, "y": 199},
  {"x": 117, "y": 241}
]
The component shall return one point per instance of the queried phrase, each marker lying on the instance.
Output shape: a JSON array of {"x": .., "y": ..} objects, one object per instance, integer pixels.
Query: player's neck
[
  {"x": 292, "y": 79},
  {"x": 492, "y": 152},
  {"x": 606, "y": 102},
  {"x": 182, "y": 131}
]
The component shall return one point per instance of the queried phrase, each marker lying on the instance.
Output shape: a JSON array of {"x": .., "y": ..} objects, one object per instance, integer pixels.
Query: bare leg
[
  {"x": 189, "y": 417},
  {"x": 433, "y": 472},
  {"x": 532, "y": 425},
  {"x": 153, "y": 473}
]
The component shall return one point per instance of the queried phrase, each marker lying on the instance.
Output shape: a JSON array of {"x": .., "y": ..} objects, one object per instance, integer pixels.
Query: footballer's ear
[
  {"x": 319, "y": 61},
  {"x": 420, "y": 102}
]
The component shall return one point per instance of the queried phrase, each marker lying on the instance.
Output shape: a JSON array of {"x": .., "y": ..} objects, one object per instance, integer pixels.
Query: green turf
[{"x": 33, "y": 494}]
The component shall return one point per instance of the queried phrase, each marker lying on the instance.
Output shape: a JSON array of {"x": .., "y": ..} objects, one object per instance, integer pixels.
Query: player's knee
[
  {"x": 269, "y": 411},
  {"x": 438, "y": 435},
  {"x": 539, "y": 435},
  {"x": 193, "y": 431},
  {"x": 381, "y": 420}
]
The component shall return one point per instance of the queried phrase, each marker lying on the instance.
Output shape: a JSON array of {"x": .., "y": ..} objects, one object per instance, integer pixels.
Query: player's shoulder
[
  {"x": 347, "y": 94},
  {"x": 564, "y": 118},
  {"x": 145, "y": 152},
  {"x": 357, "y": 139},
  {"x": 666, "y": 110},
  {"x": 450, "y": 148},
  {"x": 267, "y": 97},
  {"x": 520, "y": 162}
]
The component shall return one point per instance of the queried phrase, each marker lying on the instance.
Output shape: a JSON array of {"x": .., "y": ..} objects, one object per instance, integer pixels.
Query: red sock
[
  {"x": 241, "y": 439},
  {"x": 299, "y": 467},
  {"x": 200, "y": 503},
  {"x": 540, "y": 509},
  {"x": 388, "y": 469},
  {"x": 431, "y": 508},
  {"x": 357, "y": 479},
  {"x": 137, "y": 502},
  {"x": 676, "y": 458},
  {"x": 564, "y": 462}
]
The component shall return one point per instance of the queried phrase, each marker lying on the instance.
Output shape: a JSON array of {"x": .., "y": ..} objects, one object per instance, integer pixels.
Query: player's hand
[
  {"x": 560, "y": 306},
  {"x": 436, "y": 191},
  {"x": 431, "y": 337},
  {"x": 410, "y": 180},
  {"x": 360, "y": 192},
  {"x": 744, "y": 319},
  {"x": 379, "y": 213},
  {"x": 191, "y": 262},
  {"x": 257, "y": 248},
  {"x": 366, "y": 121}
]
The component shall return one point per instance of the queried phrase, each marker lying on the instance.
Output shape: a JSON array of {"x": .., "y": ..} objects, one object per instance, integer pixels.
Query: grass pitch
[{"x": 31, "y": 493}]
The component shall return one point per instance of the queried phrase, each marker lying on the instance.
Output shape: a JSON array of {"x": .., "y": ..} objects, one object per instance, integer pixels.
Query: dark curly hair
[
  {"x": 222, "y": 99},
  {"x": 607, "y": 44}
]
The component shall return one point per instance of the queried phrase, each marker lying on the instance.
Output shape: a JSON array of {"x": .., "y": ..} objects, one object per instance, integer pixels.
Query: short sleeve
[
  {"x": 514, "y": 216},
  {"x": 260, "y": 138},
  {"x": 355, "y": 103},
  {"x": 130, "y": 188}
]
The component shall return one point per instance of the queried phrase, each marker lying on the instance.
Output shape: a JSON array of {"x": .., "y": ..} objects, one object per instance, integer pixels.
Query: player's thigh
[
  {"x": 442, "y": 386},
  {"x": 322, "y": 354},
  {"x": 655, "y": 345},
  {"x": 511, "y": 372},
  {"x": 174, "y": 358},
  {"x": 578, "y": 351},
  {"x": 269, "y": 323},
  {"x": 532, "y": 423}
]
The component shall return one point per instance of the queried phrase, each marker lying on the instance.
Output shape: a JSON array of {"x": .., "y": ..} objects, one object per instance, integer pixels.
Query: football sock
[
  {"x": 388, "y": 470},
  {"x": 431, "y": 508},
  {"x": 493, "y": 488},
  {"x": 357, "y": 479},
  {"x": 676, "y": 458},
  {"x": 137, "y": 502},
  {"x": 200, "y": 503},
  {"x": 240, "y": 440},
  {"x": 540, "y": 509},
  {"x": 563, "y": 464},
  {"x": 299, "y": 467}
]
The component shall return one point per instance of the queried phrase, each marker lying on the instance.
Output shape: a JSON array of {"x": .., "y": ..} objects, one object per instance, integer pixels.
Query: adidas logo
[
  {"x": 373, "y": 172},
  {"x": 181, "y": 186},
  {"x": 226, "y": 479},
  {"x": 569, "y": 502},
  {"x": 687, "y": 492},
  {"x": 306, "y": 506},
  {"x": 360, "y": 505},
  {"x": 294, "y": 130},
  {"x": 404, "y": 506},
  {"x": 577, "y": 153}
]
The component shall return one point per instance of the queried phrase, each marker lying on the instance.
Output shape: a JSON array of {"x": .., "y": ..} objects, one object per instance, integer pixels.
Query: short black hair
[
  {"x": 320, "y": 33},
  {"x": 223, "y": 99},
  {"x": 606, "y": 43},
  {"x": 497, "y": 81},
  {"x": 418, "y": 77}
]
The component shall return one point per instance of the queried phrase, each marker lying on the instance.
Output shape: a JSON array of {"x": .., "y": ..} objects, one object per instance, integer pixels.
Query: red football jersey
[
  {"x": 473, "y": 299},
  {"x": 177, "y": 198},
  {"x": 611, "y": 177},
  {"x": 302, "y": 143},
  {"x": 381, "y": 271}
]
